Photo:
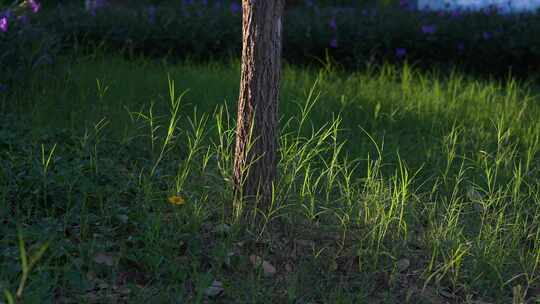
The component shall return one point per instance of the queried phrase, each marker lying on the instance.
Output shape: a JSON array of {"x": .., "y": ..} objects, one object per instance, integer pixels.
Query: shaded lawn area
[{"x": 394, "y": 186}]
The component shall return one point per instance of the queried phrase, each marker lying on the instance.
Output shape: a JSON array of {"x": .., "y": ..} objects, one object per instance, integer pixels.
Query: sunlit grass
[{"x": 393, "y": 185}]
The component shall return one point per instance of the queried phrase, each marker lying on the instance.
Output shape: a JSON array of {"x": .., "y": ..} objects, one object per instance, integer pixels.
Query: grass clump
[{"x": 394, "y": 187}]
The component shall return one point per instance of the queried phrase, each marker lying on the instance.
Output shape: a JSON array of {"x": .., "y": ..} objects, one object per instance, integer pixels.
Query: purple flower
[
  {"x": 455, "y": 14},
  {"x": 332, "y": 23},
  {"x": 6, "y": 13},
  {"x": 334, "y": 43},
  {"x": 3, "y": 88},
  {"x": 491, "y": 10},
  {"x": 486, "y": 35},
  {"x": 34, "y": 5},
  {"x": 404, "y": 3},
  {"x": 4, "y": 24},
  {"x": 204, "y": 2},
  {"x": 235, "y": 8},
  {"x": 401, "y": 52},
  {"x": 429, "y": 29},
  {"x": 23, "y": 19},
  {"x": 93, "y": 5},
  {"x": 100, "y": 3},
  {"x": 152, "y": 14},
  {"x": 309, "y": 3},
  {"x": 460, "y": 47}
]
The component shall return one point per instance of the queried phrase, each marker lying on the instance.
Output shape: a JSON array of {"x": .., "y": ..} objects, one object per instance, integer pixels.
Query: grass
[{"x": 395, "y": 187}]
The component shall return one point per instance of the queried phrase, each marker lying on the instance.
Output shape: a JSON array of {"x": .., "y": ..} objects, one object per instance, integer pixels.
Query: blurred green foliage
[
  {"x": 25, "y": 46},
  {"x": 481, "y": 41},
  {"x": 352, "y": 36}
]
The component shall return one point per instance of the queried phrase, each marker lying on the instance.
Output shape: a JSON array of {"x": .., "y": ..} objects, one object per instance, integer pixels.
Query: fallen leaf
[
  {"x": 257, "y": 261},
  {"x": 123, "y": 218},
  {"x": 183, "y": 259},
  {"x": 90, "y": 275},
  {"x": 228, "y": 258},
  {"x": 215, "y": 289},
  {"x": 403, "y": 265},
  {"x": 104, "y": 258},
  {"x": 288, "y": 267},
  {"x": 122, "y": 290}
]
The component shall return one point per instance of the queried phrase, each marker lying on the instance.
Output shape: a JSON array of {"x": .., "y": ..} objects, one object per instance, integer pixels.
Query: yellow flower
[{"x": 176, "y": 200}]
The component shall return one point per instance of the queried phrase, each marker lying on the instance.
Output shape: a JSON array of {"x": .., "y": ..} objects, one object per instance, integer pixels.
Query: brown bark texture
[{"x": 255, "y": 164}]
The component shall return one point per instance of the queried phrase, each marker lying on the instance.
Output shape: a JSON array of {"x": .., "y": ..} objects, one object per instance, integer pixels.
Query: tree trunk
[{"x": 255, "y": 164}]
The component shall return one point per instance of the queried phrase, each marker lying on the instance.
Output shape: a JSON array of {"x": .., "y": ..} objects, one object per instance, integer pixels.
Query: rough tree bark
[{"x": 258, "y": 101}]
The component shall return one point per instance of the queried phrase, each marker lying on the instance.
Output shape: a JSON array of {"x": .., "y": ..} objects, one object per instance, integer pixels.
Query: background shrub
[
  {"x": 351, "y": 35},
  {"x": 24, "y": 47}
]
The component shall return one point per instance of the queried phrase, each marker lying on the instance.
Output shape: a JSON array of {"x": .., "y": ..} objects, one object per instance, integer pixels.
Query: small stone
[
  {"x": 257, "y": 261},
  {"x": 104, "y": 258},
  {"x": 215, "y": 289}
]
